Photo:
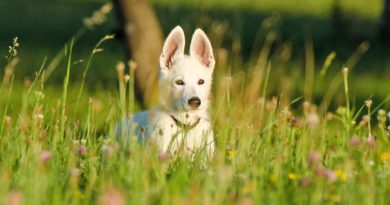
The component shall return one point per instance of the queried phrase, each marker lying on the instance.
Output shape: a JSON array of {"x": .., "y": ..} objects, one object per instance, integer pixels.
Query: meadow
[{"x": 298, "y": 118}]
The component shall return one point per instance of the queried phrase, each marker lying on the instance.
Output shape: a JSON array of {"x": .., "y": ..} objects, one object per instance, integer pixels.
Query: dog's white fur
[{"x": 165, "y": 124}]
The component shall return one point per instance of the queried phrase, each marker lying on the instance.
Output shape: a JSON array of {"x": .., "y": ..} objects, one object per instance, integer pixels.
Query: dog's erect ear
[
  {"x": 173, "y": 48},
  {"x": 201, "y": 49}
]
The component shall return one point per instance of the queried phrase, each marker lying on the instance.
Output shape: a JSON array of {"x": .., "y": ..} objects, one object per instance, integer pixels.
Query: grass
[
  {"x": 242, "y": 32},
  {"x": 274, "y": 144},
  {"x": 279, "y": 155}
]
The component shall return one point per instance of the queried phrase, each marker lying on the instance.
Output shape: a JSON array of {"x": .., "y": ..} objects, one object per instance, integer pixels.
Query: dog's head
[{"x": 185, "y": 80}]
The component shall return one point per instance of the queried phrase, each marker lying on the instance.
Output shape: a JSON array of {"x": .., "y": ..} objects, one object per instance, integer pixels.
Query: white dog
[{"x": 181, "y": 121}]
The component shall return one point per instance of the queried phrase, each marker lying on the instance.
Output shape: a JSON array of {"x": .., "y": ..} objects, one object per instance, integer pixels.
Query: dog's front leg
[{"x": 166, "y": 140}]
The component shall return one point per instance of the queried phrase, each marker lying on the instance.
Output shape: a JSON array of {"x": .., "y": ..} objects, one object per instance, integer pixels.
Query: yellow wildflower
[
  {"x": 273, "y": 178},
  {"x": 341, "y": 174},
  {"x": 293, "y": 176},
  {"x": 385, "y": 157},
  {"x": 231, "y": 153}
]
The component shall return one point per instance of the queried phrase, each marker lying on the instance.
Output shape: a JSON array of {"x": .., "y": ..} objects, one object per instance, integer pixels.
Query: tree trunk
[
  {"x": 144, "y": 41},
  {"x": 384, "y": 26}
]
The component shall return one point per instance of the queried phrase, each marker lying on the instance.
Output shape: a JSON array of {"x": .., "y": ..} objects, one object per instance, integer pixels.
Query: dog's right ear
[
  {"x": 201, "y": 49},
  {"x": 173, "y": 48}
]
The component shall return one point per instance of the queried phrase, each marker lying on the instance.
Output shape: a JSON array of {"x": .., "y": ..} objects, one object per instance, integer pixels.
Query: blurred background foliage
[{"x": 240, "y": 27}]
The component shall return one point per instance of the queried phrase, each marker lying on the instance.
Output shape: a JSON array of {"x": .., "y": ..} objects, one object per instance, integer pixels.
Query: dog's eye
[
  {"x": 179, "y": 82},
  {"x": 200, "y": 82}
]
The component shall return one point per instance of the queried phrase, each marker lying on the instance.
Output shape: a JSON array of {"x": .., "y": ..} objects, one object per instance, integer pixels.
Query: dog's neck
[
  {"x": 186, "y": 126},
  {"x": 187, "y": 118}
]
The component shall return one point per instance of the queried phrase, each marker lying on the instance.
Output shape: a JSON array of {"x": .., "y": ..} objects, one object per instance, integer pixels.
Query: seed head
[
  {"x": 314, "y": 158},
  {"x": 313, "y": 120},
  {"x": 163, "y": 156},
  {"x": 341, "y": 110},
  {"x": 82, "y": 150},
  {"x": 120, "y": 68},
  {"x": 7, "y": 120},
  {"x": 329, "y": 116},
  {"x": 364, "y": 121},
  {"x": 40, "y": 116},
  {"x": 368, "y": 103},
  {"x": 370, "y": 141},
  {"x": 133, "y": 65},
  {"x": 381, "y": 116},
  {"x": 45, "y": 156},
  {"x": 112, "y": 197},
  {"x": 345, "y": 72},
  {"x": 330, "y": 175},
  {"x": 354, "y": 141},
  {"x": 126, "y": 78},
  {"x": 12, "y": 48},
  {"x": 98, "y": 17},
  {"x": 222, "y": 57},
  {"x": 106, "y": 8},
  {"x": 306, "y": 106}
]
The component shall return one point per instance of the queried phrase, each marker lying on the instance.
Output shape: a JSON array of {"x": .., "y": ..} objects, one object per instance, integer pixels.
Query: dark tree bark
[
  {"x": 144, "y": 41},
  {"x": 384, "y": 26}
]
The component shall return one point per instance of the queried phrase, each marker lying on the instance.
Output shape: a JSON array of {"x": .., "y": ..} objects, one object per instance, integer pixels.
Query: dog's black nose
[{"x": 194, "y": 102}]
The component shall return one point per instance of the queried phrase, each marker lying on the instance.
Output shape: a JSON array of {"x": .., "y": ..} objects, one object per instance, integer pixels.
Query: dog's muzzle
[{"x": 194, "y": 102}]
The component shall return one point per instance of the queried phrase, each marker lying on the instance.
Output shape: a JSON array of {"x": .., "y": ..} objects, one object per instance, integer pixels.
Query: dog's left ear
[
  {"x": 173, "y": 48},
  {"x": 201, "y": 49}
]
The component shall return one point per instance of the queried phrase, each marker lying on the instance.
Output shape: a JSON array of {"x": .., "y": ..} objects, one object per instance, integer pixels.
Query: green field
[
  {"x": 291, "y": 127},
  {"x": 244, "y": 24},
  {"x": 369, "y": 9}
]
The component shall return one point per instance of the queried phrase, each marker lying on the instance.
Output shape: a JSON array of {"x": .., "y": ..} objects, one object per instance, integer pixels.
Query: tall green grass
[{"x": 274, "y": 146}]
